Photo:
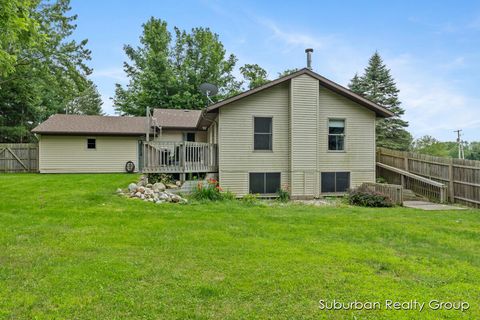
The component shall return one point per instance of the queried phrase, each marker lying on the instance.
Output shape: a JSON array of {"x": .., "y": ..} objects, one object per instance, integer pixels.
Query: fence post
[{"x": 451, "y": 185}]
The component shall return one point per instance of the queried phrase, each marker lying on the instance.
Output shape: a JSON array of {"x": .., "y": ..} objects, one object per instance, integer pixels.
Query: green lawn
[{"x": 71, "y": 249}]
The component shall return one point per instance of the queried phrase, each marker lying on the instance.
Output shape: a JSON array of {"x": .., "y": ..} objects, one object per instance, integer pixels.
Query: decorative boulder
[
  {"x": 119, "y": 191},
  {"x": 132, "y": 187},
  {"x": 138, "y": 194},
  {"x": 178, "y": 183},
  {"x": 148, "y": 192},
  {"x": 141, "y": 189},
  {"x": 158, "y": 187},
  {"x": 149, "y": 185},
  {"x": 176, "y": 198},
  {"x": 171, "y": 186}
]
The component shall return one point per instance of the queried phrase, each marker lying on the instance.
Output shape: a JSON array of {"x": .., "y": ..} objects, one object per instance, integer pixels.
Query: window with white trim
[
  {"x": 335, "y": 182},
  {"x": 336, "y": 134},
  {"x": 91, "y": 143},
  {"x": 262, "y": 128},
  {"x": 264, "y": 182}
]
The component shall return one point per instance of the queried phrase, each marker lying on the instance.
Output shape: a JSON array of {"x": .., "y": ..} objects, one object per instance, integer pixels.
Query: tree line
[{"x": 43, "y": 72}]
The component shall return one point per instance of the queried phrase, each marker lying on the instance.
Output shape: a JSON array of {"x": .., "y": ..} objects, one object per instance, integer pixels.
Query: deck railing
[
  {"x": 428, "y": 188},
  {"x": 392, "y": 191},
  {"x": 179, "y": 157}
]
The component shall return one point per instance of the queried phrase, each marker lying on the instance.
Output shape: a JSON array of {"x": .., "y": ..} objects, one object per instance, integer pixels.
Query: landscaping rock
[
  {"x": 159, "y": 187},
  {"x": 153, "y": 192},
  {"x": 178, "y": 183},
  {"x": 176, "y": 198},
  {"x": 132, "y": 187}
]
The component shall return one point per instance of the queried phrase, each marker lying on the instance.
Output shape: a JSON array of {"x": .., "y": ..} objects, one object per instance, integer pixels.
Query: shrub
[
  {"x": 250, "y": 198},
  {"x": 283, "y": 194},
  {"x": 164, "y": 178},
  {"x": 365, "y": 197},
  {"x": 381, "y": 180},
  {"x": 209, "y": 192},
  {"x": 228, "y": 195}
]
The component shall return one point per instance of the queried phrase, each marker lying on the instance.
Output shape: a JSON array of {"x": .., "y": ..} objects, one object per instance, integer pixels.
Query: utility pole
[{"x": 461, "y": 153}]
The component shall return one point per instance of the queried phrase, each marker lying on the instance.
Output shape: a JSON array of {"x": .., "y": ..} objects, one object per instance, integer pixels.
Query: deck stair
[{"x": 409, "y": 195}]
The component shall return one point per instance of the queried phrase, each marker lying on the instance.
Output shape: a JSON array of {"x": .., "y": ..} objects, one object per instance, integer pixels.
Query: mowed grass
[{"x": 72, "y": 249}]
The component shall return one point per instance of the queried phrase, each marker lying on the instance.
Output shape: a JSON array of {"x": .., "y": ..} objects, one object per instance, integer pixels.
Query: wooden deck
[{"x": 178, "y": 157}]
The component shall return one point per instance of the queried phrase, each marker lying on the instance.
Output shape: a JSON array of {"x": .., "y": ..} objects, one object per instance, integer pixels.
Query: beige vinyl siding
[
  {"x": 212, "y": 132},
  {"x": 300, "y": 110},
  {"x": 359, "y": 155},
  {"x": 303, "y": 124},
  {"x": 177, "y": 135},
  {"x": 69, "y": 154},
  {"x": 236, "y": 155}
]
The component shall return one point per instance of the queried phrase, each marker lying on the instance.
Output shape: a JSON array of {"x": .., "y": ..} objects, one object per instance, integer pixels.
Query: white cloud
[
  {"x": 116, "y": 74},
  {"x": 293, "y": 40},
  {"x": 433, "y": 104}
]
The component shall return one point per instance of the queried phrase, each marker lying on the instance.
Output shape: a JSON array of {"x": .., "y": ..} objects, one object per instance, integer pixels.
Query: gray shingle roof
[
  {"x": 82, "y": 124},
  {"x": 177, "y": 118}
]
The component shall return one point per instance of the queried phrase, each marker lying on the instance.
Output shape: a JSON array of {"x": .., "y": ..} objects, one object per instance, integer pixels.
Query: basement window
[
  {"x": 91, "y": 143},
  {"x": 335, "y": 182},
  {"x": 262, "y": 128},
  {"x": 264, "y": 182},
  {"x": 336, "y": 135}
]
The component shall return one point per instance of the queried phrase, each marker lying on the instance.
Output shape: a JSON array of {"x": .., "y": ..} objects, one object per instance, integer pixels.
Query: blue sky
[{"x": 431, "y": 47}]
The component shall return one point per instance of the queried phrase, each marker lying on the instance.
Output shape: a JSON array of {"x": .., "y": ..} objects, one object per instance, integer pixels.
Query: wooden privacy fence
[
  {"x": 393, "y": 191},
  {"x": 460, "y": 177},
  {"x": 18, "y": 157}
]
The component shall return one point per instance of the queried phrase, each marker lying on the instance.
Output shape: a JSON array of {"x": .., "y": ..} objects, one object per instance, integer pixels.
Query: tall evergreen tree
[
  {"x": 167, "y": 71},
  {"x": 377, "y": 85},
  {"x": 88, "y": 101}
]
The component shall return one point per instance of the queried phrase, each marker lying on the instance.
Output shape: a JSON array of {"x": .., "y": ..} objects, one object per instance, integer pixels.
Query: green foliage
[
  {"x": 431, "y": 146},
  {"x": 87, "y": 101},
  {"x": 209, "y": 192},
  {"x": 254, "y": 74},
  {"x": 381, "y": 180},
  {"x": 71, "y": 249},
  {"x": 18, "y": 29},
  {"x": 287, "y": 72},
  {"x": 49, "y": 75},
  {"x": 365, "y": 197},
  {"x": 164, "y": 178},
  {"x": 167, "y": 71},
  {"x": 250, "y": 198},
  {"x": 377, "y": 85},
  {"x": 283, "y": 194}
]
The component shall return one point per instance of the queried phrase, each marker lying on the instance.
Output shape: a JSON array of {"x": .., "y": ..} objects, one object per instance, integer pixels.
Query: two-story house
[{"x": 301, "y": 131}]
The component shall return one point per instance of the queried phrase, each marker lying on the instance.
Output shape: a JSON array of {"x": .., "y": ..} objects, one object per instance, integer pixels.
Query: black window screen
[
  {"x": 342, "y": 181},
  {"x": 262, "y": 133},
  {"x": 328, "y": 181},
  {"x": 257, "y": 182},
  {"x": 190, "y": 136},
  {"x": 264, "y": 183},
  {"x": 91, "y": 143},
  {"x": 335, "y": 181}
]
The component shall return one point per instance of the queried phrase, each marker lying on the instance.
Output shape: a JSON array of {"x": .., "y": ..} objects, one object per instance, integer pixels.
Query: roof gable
[{"x": 335, "y": 87}]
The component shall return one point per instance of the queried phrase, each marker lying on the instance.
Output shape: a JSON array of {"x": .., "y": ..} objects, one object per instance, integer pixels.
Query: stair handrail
[{"x": 434, "y": 183}]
